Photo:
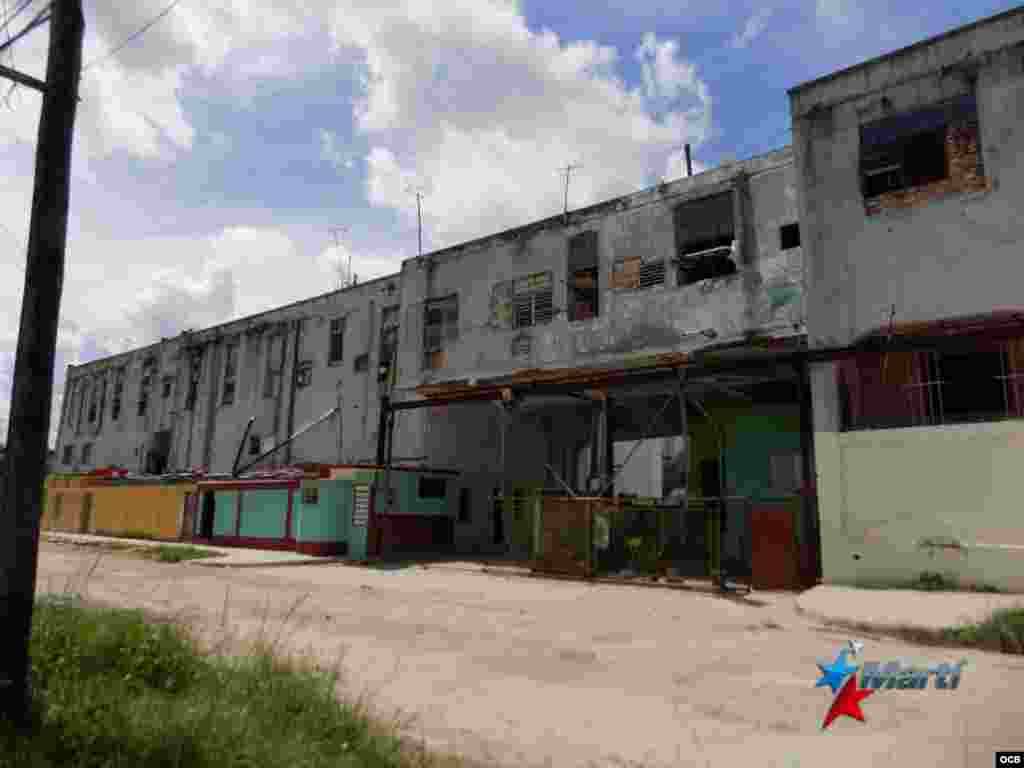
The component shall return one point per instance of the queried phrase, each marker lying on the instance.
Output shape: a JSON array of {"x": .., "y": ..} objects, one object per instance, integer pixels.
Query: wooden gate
[{"x": 565, "y": 534}]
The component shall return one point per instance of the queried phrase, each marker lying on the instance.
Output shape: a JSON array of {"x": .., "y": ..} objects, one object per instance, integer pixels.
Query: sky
[{"x": 214, "y": 152}]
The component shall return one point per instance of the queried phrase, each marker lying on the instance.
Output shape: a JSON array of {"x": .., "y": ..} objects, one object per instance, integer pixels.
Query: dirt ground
[{"x": 530, "y": 672}]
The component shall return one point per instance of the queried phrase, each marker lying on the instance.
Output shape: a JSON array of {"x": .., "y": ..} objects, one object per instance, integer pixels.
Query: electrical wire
[
  {"x": 41, "y": 18},
  {"x": 14, "y": 14},
  {"x": 132, "y": 37}
]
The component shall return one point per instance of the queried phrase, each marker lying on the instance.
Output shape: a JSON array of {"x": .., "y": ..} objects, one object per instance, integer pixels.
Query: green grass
[
  {"x": 933, "y": 581},
  {"x": 114, "y": 690},
  {"x": 1002, "y": 631}
]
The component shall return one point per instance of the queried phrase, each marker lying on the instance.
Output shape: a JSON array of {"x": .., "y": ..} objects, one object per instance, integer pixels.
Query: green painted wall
[
  {"x": 225, "y": 512},
  {"x": 752, "y": 434},
  {"x": 407, "y": 495},
  {"x": 330, "y": 517},
  {"x": 264, "y": 513}
]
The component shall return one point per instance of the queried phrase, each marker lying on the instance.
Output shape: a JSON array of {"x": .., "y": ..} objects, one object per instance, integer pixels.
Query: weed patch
[{"x": 112, "y": 689}]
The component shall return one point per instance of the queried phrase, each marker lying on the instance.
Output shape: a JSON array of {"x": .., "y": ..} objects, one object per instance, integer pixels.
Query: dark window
[
  {"x": 388, "y": 337},
  {"x": 432, "y": 488},
  {"x": 980, "y": 382},
  {"x": 144, "y": 393},
  {"x": 275, "y": 354},
  {"x": 68, "y": 453},
  {"x": 789, "y": 236},
  {"x": 533, "y": 301},
  {"x": 441, "y": 327},
  {"x": 310, "y": 495},
  {"x": 704, "y": 238},
  {"x": 465, "y": 508},
  {"x": 93, "y": 405},
  {"x": 115, "y": 405},
  {"x": 362, "y": 363},
  {"x": 254, "y": 445},
  {"x": 168, "y": 386},
  {"x": 230, "y": 373},
  {"x": 583, "y": 277},
  {"x": 304, "y": 374},
  {"x": 337, "y": 345},
  {"x": 909, "y": 150},
  {"x": 86, "y": 453}
]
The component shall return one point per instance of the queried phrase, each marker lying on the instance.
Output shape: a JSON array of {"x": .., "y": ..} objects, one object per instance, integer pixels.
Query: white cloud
[
  {"x": 465, "y": 96},
  {"x": 756, "y": 25}
]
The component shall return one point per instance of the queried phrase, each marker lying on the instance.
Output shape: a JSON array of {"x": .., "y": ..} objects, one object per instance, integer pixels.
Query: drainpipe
[{"x": 294, "y": 379}]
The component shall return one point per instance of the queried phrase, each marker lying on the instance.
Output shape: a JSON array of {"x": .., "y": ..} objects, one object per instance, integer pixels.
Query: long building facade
[{"x": 775, "y": 322}]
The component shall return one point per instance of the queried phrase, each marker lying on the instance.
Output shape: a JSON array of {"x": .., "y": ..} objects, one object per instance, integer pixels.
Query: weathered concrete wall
[
  {"x": 944, "y": 255},
  {"x": 946, "y": 249}
]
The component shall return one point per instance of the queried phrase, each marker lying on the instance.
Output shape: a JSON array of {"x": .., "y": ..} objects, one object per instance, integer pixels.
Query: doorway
[
  {"x": 498, "y": 519},
  {"x": 206, "y": 516}
]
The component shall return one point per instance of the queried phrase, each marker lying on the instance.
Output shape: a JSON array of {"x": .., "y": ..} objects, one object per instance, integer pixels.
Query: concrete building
[{"x": 911, "y": 181}]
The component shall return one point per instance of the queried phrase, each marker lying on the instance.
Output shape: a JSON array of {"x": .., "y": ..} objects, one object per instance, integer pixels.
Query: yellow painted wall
[
  {"x": 117, "y": 509},
  {"x": 882, "y": 492}
]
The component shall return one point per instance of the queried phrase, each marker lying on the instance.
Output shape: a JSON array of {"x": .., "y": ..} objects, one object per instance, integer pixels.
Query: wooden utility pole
[{"x": 29, "y": 424}]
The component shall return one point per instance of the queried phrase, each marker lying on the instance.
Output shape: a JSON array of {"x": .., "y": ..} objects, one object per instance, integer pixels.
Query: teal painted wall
[
  {"x": 329, "y": 518},
  {"x": 753, "y": 433},
  {"x": 225, "y": 512},
  {"x": 264, "y": 513}
]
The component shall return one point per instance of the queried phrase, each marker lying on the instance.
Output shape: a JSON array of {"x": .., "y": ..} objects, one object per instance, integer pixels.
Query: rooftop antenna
[
  {"x": 336, "y": 233},
  {"x": 567, "y": 170},
  {"x": 418, "y": 191}
]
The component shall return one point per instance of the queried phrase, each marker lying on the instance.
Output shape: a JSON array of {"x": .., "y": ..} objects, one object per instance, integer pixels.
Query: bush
[{"x": 1003, "y": 631}]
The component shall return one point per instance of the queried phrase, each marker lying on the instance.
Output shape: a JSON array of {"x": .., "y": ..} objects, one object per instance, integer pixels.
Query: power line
[
  {"x": 41, "y": 18},
  {"x": 133, "y": 36},
  {"x": 15, "y": 13}
]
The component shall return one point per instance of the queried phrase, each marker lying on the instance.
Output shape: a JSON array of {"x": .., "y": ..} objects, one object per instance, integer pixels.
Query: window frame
[
  {"x": 446, "y": 331},
  {"x": 583, "y": 263},
  {"x": 86, "y": 454},
  {"x": 336, "y": 340},
  {"x": 786, "y": 235},
  {"x": 533, "y": 305},
  {"x": 702, "y": 250},
  {"x": 229, "y": 381},
  {"x": 68, "y": 457},
  {"x": 421, "y": 479}
]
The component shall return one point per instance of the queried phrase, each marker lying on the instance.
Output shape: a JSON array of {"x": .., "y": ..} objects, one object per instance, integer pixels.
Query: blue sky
[{"x": 213, "y": 153}]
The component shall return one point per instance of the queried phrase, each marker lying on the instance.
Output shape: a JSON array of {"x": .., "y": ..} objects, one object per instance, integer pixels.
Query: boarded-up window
[
  {"x": 441, "y": 328},
  {"x": 704, "y": 238},
  {"x": 635, "y": 273},
  {"x": 910, "y": 150},
  {"x": 583, "y": 277},
  {"x": 337, "y": 341}
]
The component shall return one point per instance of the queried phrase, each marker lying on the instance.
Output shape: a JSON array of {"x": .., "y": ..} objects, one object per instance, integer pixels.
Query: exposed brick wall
[{"x": 966, "y": 174}]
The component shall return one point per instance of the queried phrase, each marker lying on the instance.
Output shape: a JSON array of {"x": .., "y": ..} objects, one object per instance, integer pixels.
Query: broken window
[
  {"x": 68, "y": 452},
  {"x": 532, "y": 300},
  {"x": 441, "y": 327},
  {"x": 168, "y": 386},
  {"x": 115, "y": 405},
  {"x": 86, "y": 454},
  {"x": 705, "y": 236},
  {"x": 337, "y": 342},
  {"x": 230, "y": 374},
  {"x": 911, "y": 150},
  {"x": 982, "y": 382},
  {"x": 583, "y": 277},
  {"x": 789, "y": 236},
  {"x": 432, "y": 488},
  {"x": 635, "y": 273},
  {"x": 388, "y": 335},
  {"x": 361, "y": 363}
]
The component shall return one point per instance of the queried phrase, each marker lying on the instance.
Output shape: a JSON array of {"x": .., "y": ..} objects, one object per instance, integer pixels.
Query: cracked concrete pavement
[{"x": 532, "y": 672}]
